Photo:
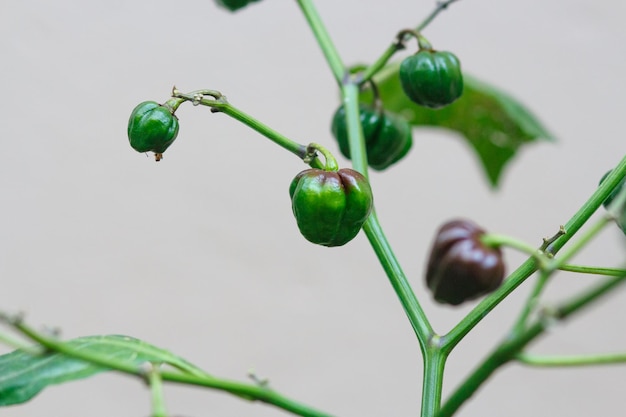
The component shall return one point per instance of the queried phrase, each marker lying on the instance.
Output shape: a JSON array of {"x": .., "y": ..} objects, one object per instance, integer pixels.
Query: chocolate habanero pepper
[
  {"x": 330, "y": 207},
  {"x": 461, "y": 267}
]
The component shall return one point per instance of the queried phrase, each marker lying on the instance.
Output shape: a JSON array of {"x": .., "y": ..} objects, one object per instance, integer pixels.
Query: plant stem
[
  {"x": 156, "y": 388},
  {"x": 372, "y": 228},
  {"x": 584, "y": 269},
  {"x": 580, "y": 243},
  {"x": 220, "y": 105},
  {"x": 515, "y": 279},
  {"x": 531, "y": 302},
  {"x": 323, "y": 39},
  {"x": 495, "y": 240},
  {"x": 356, "y": 141},
  {"x": 441, "y": 6},
  {"x": 509, "y": 348},
  {"x": 530, "y": 266},
  {"x": 246, "y": 391},
  {"x": 501, "y": 355},
  {"x": 572, "y": 360},
  {"x": 554, "y": 265},
  {"x": 398, "y": 280},
  {"x": 434, "y": 364}
]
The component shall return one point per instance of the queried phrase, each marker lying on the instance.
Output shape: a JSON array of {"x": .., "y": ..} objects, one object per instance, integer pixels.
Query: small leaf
[
  {"x": 23, "y": 375},
  {"x": 494, "y": 123}
]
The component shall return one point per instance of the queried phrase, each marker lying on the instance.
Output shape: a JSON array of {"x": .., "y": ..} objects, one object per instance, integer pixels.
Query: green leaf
[
  {"x": 23, "y": 375},
  {"x": 495, "y": 124}
]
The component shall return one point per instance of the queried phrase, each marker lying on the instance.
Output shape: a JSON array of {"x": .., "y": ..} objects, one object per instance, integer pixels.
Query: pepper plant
[{"x": 380, "y": 104}]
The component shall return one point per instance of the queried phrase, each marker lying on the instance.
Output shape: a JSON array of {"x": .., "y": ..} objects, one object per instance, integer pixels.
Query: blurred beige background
[{"x": 200, "y": 253}]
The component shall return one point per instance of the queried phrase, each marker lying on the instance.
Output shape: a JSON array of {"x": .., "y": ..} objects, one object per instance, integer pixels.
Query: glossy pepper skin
[
  {"x": 152, "y": 127},
  {"x": 330, "y": 207},
  {"x": 461, "y": 267},
  {"x": 233, "y": 5},
  {"x": 432, "y": 78},
  {"x": 388, "y": 137}
]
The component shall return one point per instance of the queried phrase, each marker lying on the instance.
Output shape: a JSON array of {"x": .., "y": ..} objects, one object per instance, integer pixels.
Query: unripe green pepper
[
  {"x": 432, "y": 78},
  {"x": 330, "y": 206},
  {"x": 233, "y": 5},
  {"x": 387, "y": 136},
  {"x": 152, "y": 127},
  {"x": 461, "y": 267}
]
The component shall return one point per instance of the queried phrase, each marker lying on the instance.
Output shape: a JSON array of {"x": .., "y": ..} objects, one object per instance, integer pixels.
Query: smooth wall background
[{"x": 200, "y": 253}]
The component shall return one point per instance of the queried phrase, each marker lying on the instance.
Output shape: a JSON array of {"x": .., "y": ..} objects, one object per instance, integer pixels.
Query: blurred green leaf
[
  {"x": 23, "y": 375},
  {"x": 494, "y": 123}
]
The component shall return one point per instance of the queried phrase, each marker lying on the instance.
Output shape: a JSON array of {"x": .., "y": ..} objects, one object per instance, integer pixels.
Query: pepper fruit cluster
[
  {"x": 152, "y": 127},
  {"x": 330, "y": 207},
  {"x": 461, "y": 267},
  {"x": 387, "y": 136}
]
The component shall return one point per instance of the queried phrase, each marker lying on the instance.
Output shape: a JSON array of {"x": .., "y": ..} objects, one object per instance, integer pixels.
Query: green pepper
[
  {"x": 152, "y": 127},
  {"x": 460, "y": 266},
  {"x": 233, "y": 5},
  {"x": 387, "y": 136},
  {"x": 432, "y": 78},
  {"x": 330, "y": 206}
]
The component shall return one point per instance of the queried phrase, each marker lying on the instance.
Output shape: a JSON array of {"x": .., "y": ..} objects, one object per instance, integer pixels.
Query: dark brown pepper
[{"x": 461, "y": 267}]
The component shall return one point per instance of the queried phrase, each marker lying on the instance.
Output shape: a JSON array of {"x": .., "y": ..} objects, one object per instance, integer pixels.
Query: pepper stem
[
  {"x": 422, "y": 42},
  {"x": 173, "y": 103},
  {"x": 377, "y": 102},
  {"x": 330, "y": 163}
]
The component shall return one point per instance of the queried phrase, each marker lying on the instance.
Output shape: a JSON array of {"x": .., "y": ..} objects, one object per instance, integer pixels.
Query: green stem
[
  {"x": 501, "y": 355},
  {"x": 572, "y": 360},
  {"x": 380, "y": 63},
  {"x": 531, "y": 302},
  {"x": 441, "y": 6},
  {"x": 156, "y": 389},
  {"x": 515, "y": 279},
  {"x": 330, "y": 163},
  {"x": 495, "y": 240},
  {"x": 16, "y": 343},
  {"x": 511, "y": 347},
  {"x": 530, "y": 266},
  {"x": 323, "y": 39},
  {"x": 246, "y": 391},
  {"x": 434, "y": 359},
  {"x": 399, "y": 282},
  {"x": 553, "y": 265},
  {"x": 584, "y": 269},
  {"x": 372, "y": 228},
  {"x": 434, "y": 364},
  {"x": 356, "y": 141},
  {"x": 222, "y": 106},
  {"x": 580, "y": 243}
]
